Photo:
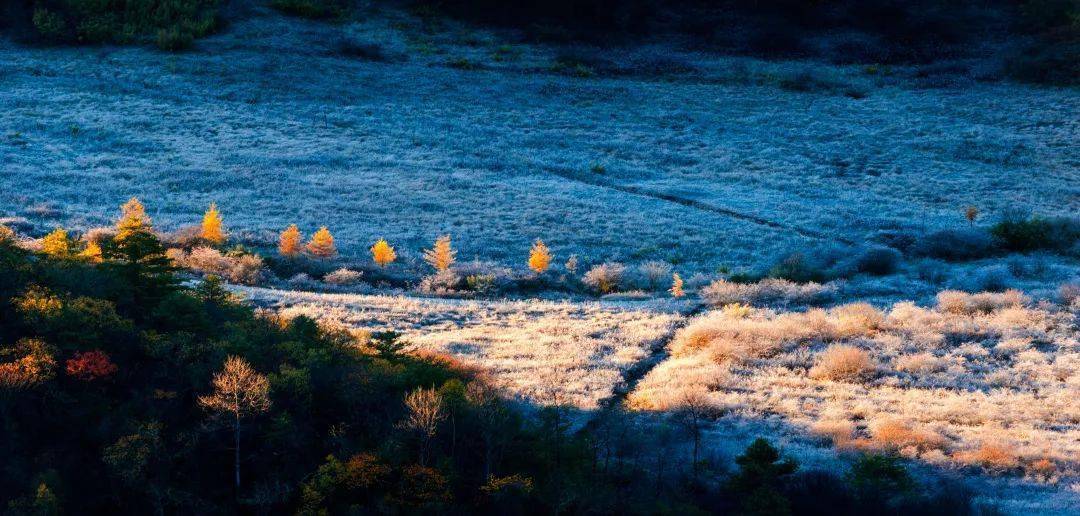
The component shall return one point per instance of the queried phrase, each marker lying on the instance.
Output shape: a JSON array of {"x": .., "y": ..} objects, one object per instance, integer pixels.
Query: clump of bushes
[
  {"x": 1034, "y": 233},
  {"x": 768, "y": 291},
  {"x": 238, "y": 267},
  {"x": 955, "y": 245},
  {"x": 171, "y": 24},
  {"x": 843, "y": 362}
]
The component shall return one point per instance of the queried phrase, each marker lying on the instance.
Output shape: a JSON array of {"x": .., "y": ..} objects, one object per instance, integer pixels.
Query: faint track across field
[{"x": 699, "y": 205}]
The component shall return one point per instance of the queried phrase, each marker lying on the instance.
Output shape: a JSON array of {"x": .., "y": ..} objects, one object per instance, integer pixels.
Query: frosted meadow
[{"x": 837, "y": 301}]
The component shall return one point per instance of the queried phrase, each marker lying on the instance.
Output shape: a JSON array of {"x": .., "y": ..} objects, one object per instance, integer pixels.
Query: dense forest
[{"x": 123, "y": 388}]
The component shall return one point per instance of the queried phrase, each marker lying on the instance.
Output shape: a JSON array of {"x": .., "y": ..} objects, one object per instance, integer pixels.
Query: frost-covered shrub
[
  {"x": 1069, "y": 293},
  {"x": 766, "y": 292},
  {"x": 652, "y": 275},
  {"x": 605, "y": 278},
  {"x": 932, "y": 271},
  {"x": 955, "y": 245},
  {"x": 842, "y": 362},
  {"x": 993, "y": 278},
  {"x": 246, "y": 268},
  {"x": 480, "y": 283},
  {"x": 343, "y": 277},
  {"x": 920, "y": 363},
  {"x": 877, "y": 261},
  {"x": 956, "y": 302},
  {"x": 442, "y": 282},
  {"x": 798, "y": 268}
]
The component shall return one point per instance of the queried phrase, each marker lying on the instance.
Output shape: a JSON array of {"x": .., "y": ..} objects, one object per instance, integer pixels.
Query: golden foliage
[
  {"x": 213, "y": 230},
  {"x": 57, "y": 244},
  {"x": 539, "y": 257},
  {"x": 34, "y": 367},
  {"x": 383, "y": 253},
  {"x": 92, "y": 252},
  {"x": 133, "y": 219},
  {"x": 676, "y": 286},
  {"x": 6, "y": 234},
  {"x": 289, "y": 243},
  {"x": 442, "y": 256},
  {"x": 322, "y": 244}
]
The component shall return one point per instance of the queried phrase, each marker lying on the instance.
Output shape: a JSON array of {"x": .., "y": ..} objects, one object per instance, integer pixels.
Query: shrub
[
  {"x": 653, "y": 275},
  {"x": 605, "y": 278},
  {"x": 842, "y": 362},
  {"x": 766, "y": 292},
  {"x": 343, "y": 277},
  {"x": 1035, "y": 233},
  {"x": 445, "y": 281},
  {"x": 795, "y": 267},
  {"x": 247, "y": 268},
  {"x": 955, "y": 245},
  {"x": 877, "y": 261},
  {"x": 952, "y": 301},
  {"x": 993, "y": 457}
]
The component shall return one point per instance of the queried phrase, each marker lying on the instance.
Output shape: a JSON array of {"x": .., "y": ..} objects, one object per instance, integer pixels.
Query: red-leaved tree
[{"x": 91, "y": 365}]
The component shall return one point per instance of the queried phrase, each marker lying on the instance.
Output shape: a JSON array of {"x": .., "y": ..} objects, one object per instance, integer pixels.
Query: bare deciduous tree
[
  {"x": 239, "y": 392},
  {"x": 425, "y": 413}
]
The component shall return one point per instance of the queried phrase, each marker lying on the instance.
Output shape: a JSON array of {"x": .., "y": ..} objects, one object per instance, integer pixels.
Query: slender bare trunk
[{"x": 237, "y": 452}]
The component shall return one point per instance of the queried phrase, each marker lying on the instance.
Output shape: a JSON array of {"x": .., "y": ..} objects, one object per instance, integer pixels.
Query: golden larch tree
[
  {"x": 133, "y": 219},
  {"x": 213, "y": 230},
  {"x": 57, "y": 244},
  {"x": 321, "y": 244},
  {"x": 971, "y": 213},
  {"x": 290, "y": 242},
  {"x": 676, "y": 286},
  {"x": 539, "y": 257},
  {"x": 442, "y": 256},
  {"x": 92, "y": 252},
  {"x": 383, "y": 253},
  {"x": 239, "y": 392}
]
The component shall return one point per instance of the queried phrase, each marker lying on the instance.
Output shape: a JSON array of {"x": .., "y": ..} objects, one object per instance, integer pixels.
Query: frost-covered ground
[
  {"x": 709, "y": 161},
  {"x": 540, "y": 351},
  {"x": 665, "y": 154}
]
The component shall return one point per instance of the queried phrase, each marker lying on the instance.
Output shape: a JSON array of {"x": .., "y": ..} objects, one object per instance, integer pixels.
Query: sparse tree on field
[
  {"x": 213, "y": 231},
  {"x": 539, "y": 257},
  {"x": 971, "y": 213},
  {"x": 133, "y": 220},
  {"x": 676, "y": 286},
  {"x": 239, "y": 392},
  {"x": 321, "y": 244},
  {"x": 383, "y": 253},
  {"x": 425, "y": 413},
  {"x": 290, "y": 242},
  {"x": 572, "y": 264},
  {"x": 442, "y": 256},
  {"x": 57, "y": 244}
]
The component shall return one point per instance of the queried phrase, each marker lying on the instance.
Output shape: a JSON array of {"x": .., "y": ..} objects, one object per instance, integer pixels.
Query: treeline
[{"x": 123, "y": 391}]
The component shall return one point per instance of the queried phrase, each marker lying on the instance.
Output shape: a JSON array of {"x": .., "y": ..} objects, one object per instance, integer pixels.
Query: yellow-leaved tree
[
  {"x": 290, "y": 243},
  {"x": 92, "y": 252},
  {"x": 442, "y": 256},
  {"x": 676, "y": 286},
  {"x": 57, "y": 244},
  {"x": 539, "y": 257},
  {"x": 383, "y": 253},
  {"x": 133, "y": 220},
  {"x": 321, "y": 244},
  {"x": 213, "y": 230}
]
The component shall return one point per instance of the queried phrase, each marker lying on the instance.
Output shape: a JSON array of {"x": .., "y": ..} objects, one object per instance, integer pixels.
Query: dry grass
[
  {"x": 975, "y": 369},
  {"x": 843, "y": 363},
  {"x": 544, "y": 352}
]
